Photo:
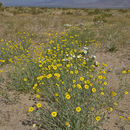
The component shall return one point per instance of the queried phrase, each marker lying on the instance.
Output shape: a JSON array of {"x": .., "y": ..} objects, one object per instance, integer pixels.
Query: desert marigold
[
  {"x": 74, "y": 85},
  {"x": 40, "y": 65},
  {"x": 67, "y": 124},
  {"x": 34, "y": 125},
  {"x": 56, "y": 94},
  {"x": 57, "y": 75},
  {"x": 102, "y": 93},
  {"x": 37, "y": 96},
  {"x": 38, "y": 90},
  {"x": 76, "y": 71},
  {"x": 121, "y": 117},
  {"x": 115, "y": 103},
  {"x": 100, "y": 77},
  {"x": 39, "y": 105},
  {"x": 98, "y": 118},
  {"x": 111, "y": 109},
  {"x": 114, "y": 94},
  {"x": 105, "y": 83},
  {"x": 81, "y": 78},
  {"x": 78, "y": 109},
  {"x": 91, "y": 84},
  {"x": 93, "y": 90},
  {"x": 129, "y": 118},
  {"x": 124, "y": 72},
  {"x": 25, "y": 79},
  {"x": 1, "y": 70},
  {"x": 79, "y": 86},
  {"x": 54, "y": 114},
  {"x": 49, "y": 76},
  {"x": 126, "y": 92},
  {"x": 92, "y": 109},
  {"x": 74, "y": 81},
  {"x": 71, "y": 72},
  {"x": 54, "y": 67},
  {"x": 30, "y": 109},
  {"x": 69, "y": 90},
  {"x": 86, "y": 86},
  {"x": 101, "y": 89},
  {"x": 67, "y": 96}
]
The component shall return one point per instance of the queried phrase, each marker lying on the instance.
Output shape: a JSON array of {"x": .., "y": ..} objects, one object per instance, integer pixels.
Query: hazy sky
[
  {"x": 43, "y": 2},
  {"x": 68, "y": 3}
]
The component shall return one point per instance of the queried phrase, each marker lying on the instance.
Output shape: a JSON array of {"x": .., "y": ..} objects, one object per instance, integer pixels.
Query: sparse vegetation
[{"x": 51, "y": 54}]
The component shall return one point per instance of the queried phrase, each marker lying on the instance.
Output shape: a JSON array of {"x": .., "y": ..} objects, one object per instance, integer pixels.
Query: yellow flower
[
  {"x": 56, "y": 94},
  {"x": 102, "y": 93},
  {"x": 128, "y": 71},
  {"x": 86, "y": 86},
  {"x": 91, "y": 84},
  {"x": 92, "y": 109},
  {"x": 67, "y": 124},
  {"x": 129, "y": 118},
  {"x": 101, "y": 89},
  {"x": 40, "y": 65},
  {"x": 56, "y": 99},
  {"x": 35, "y": 85},
  {"x": 111, "y": 109},
  {"x": 68, "y": 65},
  {"x": 105, "y": 83},
  {"x": 121, "y": 117},
  {"x": 104, "y": 64},
  {"x": 126, "y": 92},
  {"x": 78, "y": 109},
  {"x": 74, "y": 85},
  {"x": 34, "y": 125},
  {"x": 81, "y": 78},
  {"x": 93, "y": 90},
  {"x": 74, "y": 81},
  {"x": 115, "y": 103},
  {"x": 87, "y": 82},
  {"x": 67, "y": 96},
  {"x": 57, "y": 75},
  {"x": 69, "y": 90},
  {"x": 79, "y": 86},
  {"x": 124, "y": 118},
  {"x": 76, "y": 71},
  {"x": 124, "y": 72},
  {"x": 39, "y": 105},
  {"x": 25, "y": 79},
  {"x": 54, "y": 114},
  {"x": 1, "y": 70},
  {"x": 57, "y": 84},
  {"x": 114, "y": 94},
  {"x": 40, "y": 78},
  {"x": 30, "y": 109},
  {"x": 100, "y": 77},
  {"x": 54, "y": 67},
  {"x": 37, "y": 96},
  {"x": 38, "y": 90},
  {"x": 98, "y": 118},
  {"x": 49, "y": 76},
  {"x": 103, "y": 71},
  {"x": 71, "y": 72},
  {"x": 2, "y": 61}
]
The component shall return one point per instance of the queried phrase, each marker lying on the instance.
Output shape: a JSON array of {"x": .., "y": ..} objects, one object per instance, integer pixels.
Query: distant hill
[{"x": 70, "y": 3}]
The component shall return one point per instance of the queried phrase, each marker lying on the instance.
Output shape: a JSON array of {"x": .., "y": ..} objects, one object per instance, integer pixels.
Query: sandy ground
[
  {"x": 117, "y": 61},
  {"x": 14, "y": 112}
]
